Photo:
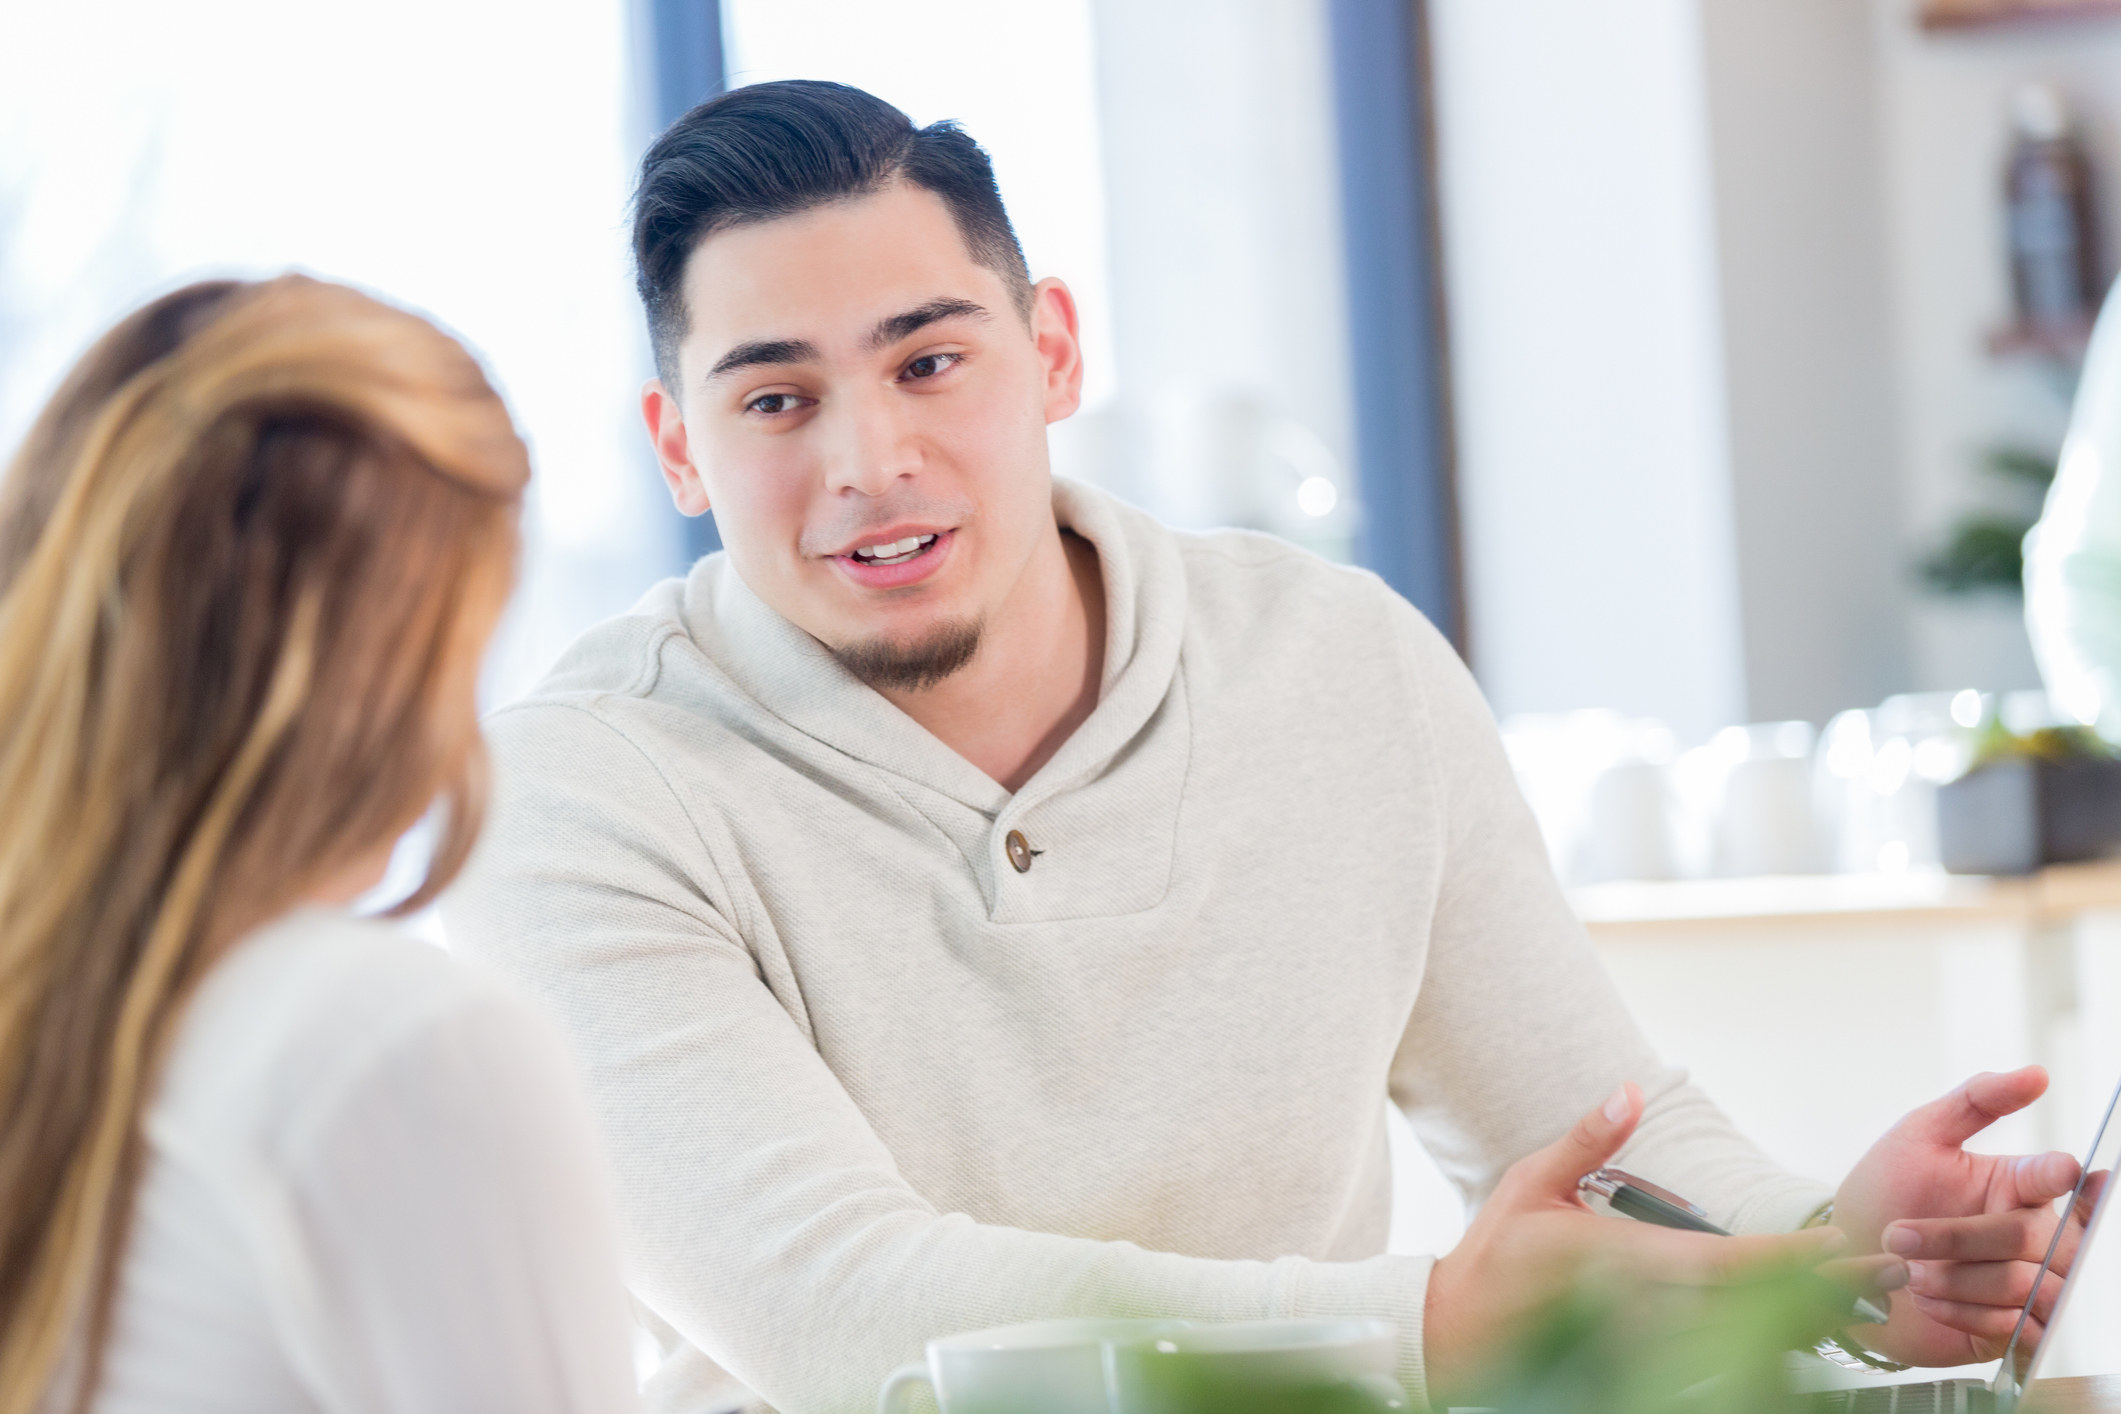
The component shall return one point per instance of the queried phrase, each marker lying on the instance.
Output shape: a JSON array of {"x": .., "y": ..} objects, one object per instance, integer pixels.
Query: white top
[
  {"x": 867, "y": 1084},
  {"x": 371, "y": 1185}
]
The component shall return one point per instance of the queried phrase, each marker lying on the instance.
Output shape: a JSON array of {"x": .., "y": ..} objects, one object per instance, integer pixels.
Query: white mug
[
  {"x": 1040, "y": 1367},
  {"x": 1271, "y": 1367}
]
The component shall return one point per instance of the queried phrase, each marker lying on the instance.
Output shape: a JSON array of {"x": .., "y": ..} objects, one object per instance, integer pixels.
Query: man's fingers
[
  {"x": 1666, "y": 1254},
  {"x": 2003, "y": 1284},
  {"x": 1553, "y": 1171},
  {"x": 1874, "y": 1275},
  {"x": 2072, "y": 1238},
  {"x": 2034, "y": 1180},
  {"x": 2088, "y": 1201},
  {"x": 1992, "y": 1324},
  {"x": 1974, "y": 1106},
  {"x": 2020, "y": 1235}
]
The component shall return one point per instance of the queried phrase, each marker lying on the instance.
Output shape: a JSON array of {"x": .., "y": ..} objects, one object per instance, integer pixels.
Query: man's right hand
[{"x": 1535, "y": 1238}]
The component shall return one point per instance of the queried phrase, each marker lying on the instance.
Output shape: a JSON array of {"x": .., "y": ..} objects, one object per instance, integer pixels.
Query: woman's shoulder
[{"x": 303, "y": 1012}]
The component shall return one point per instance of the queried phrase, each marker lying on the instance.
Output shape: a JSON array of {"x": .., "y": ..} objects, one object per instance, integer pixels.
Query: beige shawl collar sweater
[{"x": 866, "y": 1083}]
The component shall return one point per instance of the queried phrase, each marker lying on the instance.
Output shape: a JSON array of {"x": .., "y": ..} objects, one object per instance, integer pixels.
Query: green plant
[
  {"x": 1994, "y": 742},
  {"x": 1618, "y": 1347},
  {"x": 1984, "y": 549}
]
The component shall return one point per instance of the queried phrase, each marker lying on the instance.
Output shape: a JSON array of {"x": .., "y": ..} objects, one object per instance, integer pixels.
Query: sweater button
[{"x": 1020, "y": 851}]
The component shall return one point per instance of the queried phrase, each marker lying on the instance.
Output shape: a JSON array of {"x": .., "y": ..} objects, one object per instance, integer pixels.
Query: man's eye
[
  {"x": 771, "y": 403},
  {"x": 928, "y": 365}
]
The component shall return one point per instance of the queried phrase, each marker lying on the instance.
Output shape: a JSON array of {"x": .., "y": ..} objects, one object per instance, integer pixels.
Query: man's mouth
[
  {"x": 912, "y": 558},
  {"x": 892, "y": 552}
]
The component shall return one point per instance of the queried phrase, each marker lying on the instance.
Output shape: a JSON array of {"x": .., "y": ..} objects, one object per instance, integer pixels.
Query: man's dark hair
[{"x": 774, "y": 149}]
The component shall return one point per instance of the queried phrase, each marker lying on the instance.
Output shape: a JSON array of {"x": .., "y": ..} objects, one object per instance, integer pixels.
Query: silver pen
[{"x": 1644, "y": 1201}]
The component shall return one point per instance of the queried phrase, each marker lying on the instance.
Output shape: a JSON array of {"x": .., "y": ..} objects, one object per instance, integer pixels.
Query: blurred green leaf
[
  {"x": 2020, "y": 464},
  {"x": 1984, "y": 552},
  {"x": 1995, "y": 742},
  {"x": 1614, "y": 1347}
]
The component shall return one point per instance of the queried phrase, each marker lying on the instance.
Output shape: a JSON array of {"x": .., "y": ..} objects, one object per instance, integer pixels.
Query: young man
[{"x": 974, "y": 902}]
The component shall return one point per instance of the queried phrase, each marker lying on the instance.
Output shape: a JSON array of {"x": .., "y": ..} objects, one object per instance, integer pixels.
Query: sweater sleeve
[
  {"x": 1517, "y": 1031},
  {"x": 766, "y": 1223}
]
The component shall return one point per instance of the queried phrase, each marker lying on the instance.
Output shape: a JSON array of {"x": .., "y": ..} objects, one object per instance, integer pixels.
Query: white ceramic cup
[
  {"x": 1268, "y": 1367},
  {"x": 1628, "y": 826},
  {"x": 1041, "y": 1367},
  {"x": 1770, "y": 820}
]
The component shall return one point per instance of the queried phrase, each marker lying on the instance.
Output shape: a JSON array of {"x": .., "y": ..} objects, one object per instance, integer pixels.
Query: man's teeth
[{"x": 892, "y": 552}]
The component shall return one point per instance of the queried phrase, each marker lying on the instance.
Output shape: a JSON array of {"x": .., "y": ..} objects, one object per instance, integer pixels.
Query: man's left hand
[{"x": 1973, "y": 1227}]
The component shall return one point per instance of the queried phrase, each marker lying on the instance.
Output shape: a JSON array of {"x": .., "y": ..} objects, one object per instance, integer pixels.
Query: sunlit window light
[{"x": 1316, "y": 496}]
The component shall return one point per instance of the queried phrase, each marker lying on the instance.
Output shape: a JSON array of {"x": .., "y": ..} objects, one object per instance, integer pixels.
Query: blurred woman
[{"x": 255, "y": 1154}]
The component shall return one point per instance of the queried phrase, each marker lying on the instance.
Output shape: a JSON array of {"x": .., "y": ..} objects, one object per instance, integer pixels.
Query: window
[{"x": 475, "y": 170}]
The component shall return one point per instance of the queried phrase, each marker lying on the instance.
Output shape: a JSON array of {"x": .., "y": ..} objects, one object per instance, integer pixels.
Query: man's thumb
[{"x": 1594, "y": 1139}]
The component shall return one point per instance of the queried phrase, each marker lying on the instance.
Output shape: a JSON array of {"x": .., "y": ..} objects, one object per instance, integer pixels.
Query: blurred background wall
[
  {"x": 1963, "y": 387},
  {"x": 1720, "y": 281},
  {"x": 466, "y": 159},
  {"x": 1588, "y": 368},
  {"x": 1724, "y": 276}
]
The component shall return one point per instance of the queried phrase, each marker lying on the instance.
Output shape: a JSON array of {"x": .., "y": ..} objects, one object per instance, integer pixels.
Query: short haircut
[{"x": 775, "y": 149}]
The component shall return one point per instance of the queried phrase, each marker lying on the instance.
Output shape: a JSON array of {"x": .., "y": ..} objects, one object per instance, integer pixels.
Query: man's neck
[{"x": 1035, "y": 677}]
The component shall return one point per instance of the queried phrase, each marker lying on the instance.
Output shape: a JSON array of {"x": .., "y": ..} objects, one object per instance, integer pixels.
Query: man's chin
[{"x": 913, "y": 664}]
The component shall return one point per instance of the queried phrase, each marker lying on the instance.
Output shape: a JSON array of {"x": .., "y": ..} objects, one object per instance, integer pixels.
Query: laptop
[{"x": 2029, "y": 1341}]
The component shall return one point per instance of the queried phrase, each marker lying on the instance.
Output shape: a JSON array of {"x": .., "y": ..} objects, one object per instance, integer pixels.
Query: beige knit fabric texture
[{"x": 865, "y": 1084}]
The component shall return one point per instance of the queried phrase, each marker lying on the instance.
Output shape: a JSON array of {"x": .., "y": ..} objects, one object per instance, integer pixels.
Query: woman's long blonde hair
[{"x": 249, "y": 557}]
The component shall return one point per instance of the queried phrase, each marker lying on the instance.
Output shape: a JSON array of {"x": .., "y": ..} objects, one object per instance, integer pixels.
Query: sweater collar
[{"x": 791, "y": 675}]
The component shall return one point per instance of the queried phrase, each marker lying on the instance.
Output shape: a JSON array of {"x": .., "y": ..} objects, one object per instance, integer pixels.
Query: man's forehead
[{"x": 829, "y": 274}]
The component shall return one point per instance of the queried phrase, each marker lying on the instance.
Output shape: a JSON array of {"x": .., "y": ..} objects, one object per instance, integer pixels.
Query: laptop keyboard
[{"x": 1935, "y": 1397}]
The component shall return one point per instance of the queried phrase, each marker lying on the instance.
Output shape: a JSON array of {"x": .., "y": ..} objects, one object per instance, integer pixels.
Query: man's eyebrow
[
  {"x": 762, "y": 351},
  {"x": 898, "y": 326}
]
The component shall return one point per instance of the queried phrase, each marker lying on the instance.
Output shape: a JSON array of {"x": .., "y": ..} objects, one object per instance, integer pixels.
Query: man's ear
[
  {"x": 666, "y": 429},
  {"x": 1059, "y": 342}
]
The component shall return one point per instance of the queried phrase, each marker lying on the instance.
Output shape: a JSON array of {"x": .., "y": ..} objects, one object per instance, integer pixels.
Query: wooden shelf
[
  {"x": 1988, "y": 14},
  {"x": 2060, "y": 891}
]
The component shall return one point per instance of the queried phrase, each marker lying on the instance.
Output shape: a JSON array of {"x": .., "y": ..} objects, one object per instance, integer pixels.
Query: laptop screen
[{"x": 2060, "y": 1272}]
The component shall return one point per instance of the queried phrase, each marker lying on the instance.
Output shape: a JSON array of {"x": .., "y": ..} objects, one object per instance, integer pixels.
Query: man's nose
[{"x": 873, "y": 449}]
